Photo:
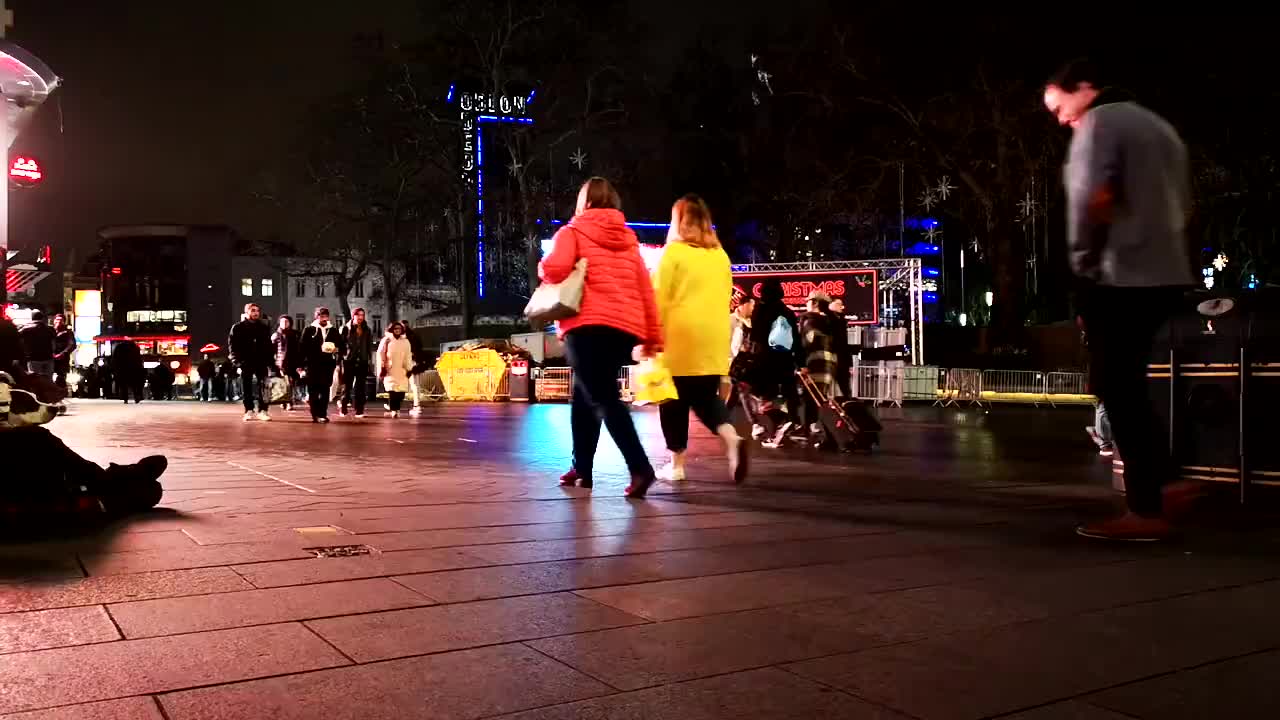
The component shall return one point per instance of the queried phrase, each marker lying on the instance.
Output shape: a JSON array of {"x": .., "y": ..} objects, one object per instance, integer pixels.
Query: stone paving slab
[
  {"x": 767, "y": 694},
  {"x": 134, "y": 708},
  {"x": 420, "y": 631},
  {"x": 43, "y": 629},
  {"x": 459, "y": 685},
  {"x": 131, "y": 667},
  {"x": 938, "y": 578},
  {"x": 171, "y": 616}
]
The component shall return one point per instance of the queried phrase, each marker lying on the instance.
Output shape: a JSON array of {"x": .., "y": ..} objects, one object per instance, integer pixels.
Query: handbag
[
  {"x": 780, "y": 336},
  {"x": 652, "y": 383},
  {"x": 557, "y": 301},
  {"x": 277, "y": 389}
]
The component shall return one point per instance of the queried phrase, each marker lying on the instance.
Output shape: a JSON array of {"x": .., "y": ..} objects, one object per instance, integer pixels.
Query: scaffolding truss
[{"x": 896, "y": 277}]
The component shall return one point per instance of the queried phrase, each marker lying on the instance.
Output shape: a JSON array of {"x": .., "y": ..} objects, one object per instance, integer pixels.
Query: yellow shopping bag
[{"x": 652, "y": 383}]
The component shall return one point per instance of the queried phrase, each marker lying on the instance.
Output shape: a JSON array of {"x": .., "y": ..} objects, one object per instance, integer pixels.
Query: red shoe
[
  {"x": 572, "y": 478},
  {"x": 639, "y": 486},
  {"x": 1128, "y": 528},
  {"x": 1178, "y": 498}
]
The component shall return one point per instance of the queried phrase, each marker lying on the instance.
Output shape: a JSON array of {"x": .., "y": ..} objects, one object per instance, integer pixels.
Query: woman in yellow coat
[{"x": 694, "y": 285}]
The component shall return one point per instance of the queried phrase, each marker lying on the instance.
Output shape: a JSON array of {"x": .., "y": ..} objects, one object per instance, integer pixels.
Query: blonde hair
[{"x": 691, "y": 223}]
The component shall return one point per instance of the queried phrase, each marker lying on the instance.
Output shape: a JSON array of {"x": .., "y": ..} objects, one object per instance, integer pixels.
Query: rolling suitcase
[{"x": 838, "y": 421}]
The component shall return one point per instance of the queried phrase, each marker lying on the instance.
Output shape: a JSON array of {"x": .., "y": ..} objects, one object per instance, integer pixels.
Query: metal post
[
  {"x": 902, "y": 210},
  {"x": 4, "y": 200},
  {"x": 1241, "y": 435}
]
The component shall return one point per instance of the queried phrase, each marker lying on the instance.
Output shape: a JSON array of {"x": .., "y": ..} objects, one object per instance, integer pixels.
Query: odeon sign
[{"x": 485, "y": 103}]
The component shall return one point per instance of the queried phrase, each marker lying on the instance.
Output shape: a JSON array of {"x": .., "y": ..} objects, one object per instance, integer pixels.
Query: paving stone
[
  {"x": 457, "y": 685},
  {"x": 119, "y": 588},
  {"x": 42, "y": 629},
  {"x": 990, "y": 672},
  {"x": 1240, "y": 689},
  {"x": 134, "y": 708},
  {"x": 1070, "y": 710},
  {"x": 767, "y": 694},
  {"x": 555, "y": 531},
  {"x": 380, "y": 636},
  {"x": 299, "y": 572},
  {"x": 85, "y": 673},
  {"x": 32, "y": 565},
  {"x": 636, "y": 657},
  {"x": 169, "y": 616},
  {"x": 183, "y": 558}
]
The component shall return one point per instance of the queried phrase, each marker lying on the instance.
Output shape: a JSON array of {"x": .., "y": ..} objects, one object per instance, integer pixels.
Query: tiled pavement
[{"x": 937, "y": 579}]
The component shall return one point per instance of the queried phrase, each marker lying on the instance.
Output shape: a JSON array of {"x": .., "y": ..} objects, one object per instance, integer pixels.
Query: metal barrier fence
[
  {"x": 1029, "y": 384},
  {"x": 885, "y": 383}
]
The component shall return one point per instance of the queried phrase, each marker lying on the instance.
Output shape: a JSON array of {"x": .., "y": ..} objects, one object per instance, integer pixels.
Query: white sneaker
[
  {"x": 671, "y": 473},
  {"x": 757, "y": 431},
  {"x": 360, "y": 415},
  {"x": 250, "y": 416},
  {"x": 395, "y": 414},
  {"x": 264, "y": 416},
  {"x": 781, "y": 434},
  {"x": 415, "y": 412}
]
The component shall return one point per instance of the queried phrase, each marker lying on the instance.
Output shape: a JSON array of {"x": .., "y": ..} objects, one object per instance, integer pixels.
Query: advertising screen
[{"x": 858, "y": 289}]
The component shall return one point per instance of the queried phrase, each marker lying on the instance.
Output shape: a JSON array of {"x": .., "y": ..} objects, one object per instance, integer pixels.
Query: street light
[
  {"x": 25, "y": 83},
  {"x": 991, "y": 298}
]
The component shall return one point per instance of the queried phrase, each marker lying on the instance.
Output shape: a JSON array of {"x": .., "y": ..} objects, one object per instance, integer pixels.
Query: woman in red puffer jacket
[{"x": 618, "y": 313}]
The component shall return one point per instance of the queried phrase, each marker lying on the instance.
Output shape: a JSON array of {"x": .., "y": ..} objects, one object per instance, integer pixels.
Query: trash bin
[{"x": 521, "y": 382}]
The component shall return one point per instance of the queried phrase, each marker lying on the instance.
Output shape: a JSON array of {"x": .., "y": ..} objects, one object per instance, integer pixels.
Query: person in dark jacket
[
  {"x": 318, "y": 351},
  {"x": 64, "y": 344},
  {"x": 249, "y": 345},
  {"x": 359, "y": 345},
  {"x": 130, "y": 376},
  {"x": 285, "y": 343},
  {"x": 844, "y": 352},
  {"x": 820, "y": 361},
  {"x": 775, "y": 366},
  {"x": 206, "y": 370},
  {"x": 37, "y": 343}
]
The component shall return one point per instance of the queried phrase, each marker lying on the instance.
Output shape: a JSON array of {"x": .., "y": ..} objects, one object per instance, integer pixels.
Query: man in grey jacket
[{"x": 1128, "y": 198}]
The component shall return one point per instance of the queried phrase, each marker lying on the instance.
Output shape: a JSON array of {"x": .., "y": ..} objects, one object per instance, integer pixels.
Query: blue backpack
[{"x": 780, "y": 337}]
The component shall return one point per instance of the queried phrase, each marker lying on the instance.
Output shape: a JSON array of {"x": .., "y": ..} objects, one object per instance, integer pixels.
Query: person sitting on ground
[{"x": 47, "y": 484}]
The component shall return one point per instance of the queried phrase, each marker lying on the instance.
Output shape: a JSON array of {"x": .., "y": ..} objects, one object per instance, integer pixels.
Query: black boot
[{"x": 134, "y": 488}]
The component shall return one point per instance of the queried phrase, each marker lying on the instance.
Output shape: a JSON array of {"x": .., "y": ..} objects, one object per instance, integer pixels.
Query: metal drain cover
[{"x": 337, "y": 551}]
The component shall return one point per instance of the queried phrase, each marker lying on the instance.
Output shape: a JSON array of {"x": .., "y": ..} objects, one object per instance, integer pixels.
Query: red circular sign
[{"x": 25, "y": 170}]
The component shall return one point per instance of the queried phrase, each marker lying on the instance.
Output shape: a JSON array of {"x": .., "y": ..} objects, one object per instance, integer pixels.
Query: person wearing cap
[{"x": 817, "y": 333}]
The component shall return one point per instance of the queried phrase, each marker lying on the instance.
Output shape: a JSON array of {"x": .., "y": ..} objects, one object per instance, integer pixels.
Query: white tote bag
[{"x": 557, "y": 301}]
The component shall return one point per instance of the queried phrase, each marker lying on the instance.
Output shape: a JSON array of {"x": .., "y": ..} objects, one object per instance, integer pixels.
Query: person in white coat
[{"x": 395, "y": 362}]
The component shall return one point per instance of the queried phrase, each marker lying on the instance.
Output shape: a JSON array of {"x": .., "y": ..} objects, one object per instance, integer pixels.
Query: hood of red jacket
[{"x": 607, "y": 228}]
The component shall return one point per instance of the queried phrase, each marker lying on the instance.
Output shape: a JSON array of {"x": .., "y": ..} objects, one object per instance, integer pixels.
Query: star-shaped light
[
  {"x": 578, "y": 158},
  {"x": 928, "y": 199},
  {"x": 1027, "y": 206},
  {"x": 932, "y": 234},
  {"x": 944, "y": 189},
  {"x": 1220, "y": 262},
  {"x": 514, "y": 167}
]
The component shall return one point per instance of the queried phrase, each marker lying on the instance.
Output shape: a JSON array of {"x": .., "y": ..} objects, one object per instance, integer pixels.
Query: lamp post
[{"x": 25, "y": 83}]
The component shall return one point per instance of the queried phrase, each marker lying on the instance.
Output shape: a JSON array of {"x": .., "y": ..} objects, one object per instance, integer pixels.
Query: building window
[
  {"x": 246, "y": 287},
  {"x": 299, "y": 320},
  {"x": 377, "y": 324},
  {"x": 320, "y": 288},
  {"x": 300, "y": 288},
  {"x": 357, "y": 289},
  {"x": 267, "y": 287}
]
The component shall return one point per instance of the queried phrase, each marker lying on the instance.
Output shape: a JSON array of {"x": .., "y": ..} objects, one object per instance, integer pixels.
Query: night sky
[
  {"x": 173, "y": 114},
  {"x": 169, "y": 115}
]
